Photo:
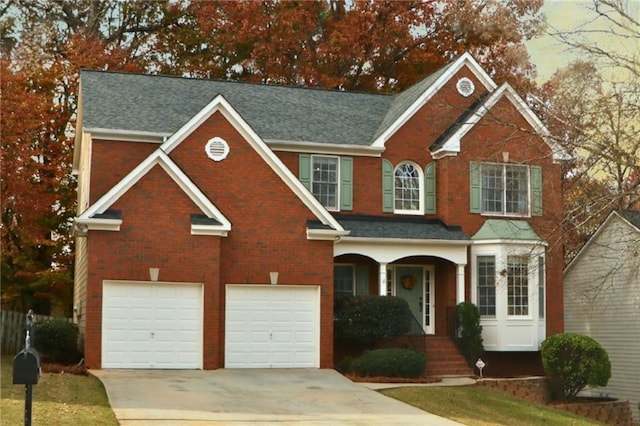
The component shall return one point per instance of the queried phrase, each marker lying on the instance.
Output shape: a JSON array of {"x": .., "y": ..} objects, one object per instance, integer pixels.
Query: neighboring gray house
[{"x": 602, "y": 300}]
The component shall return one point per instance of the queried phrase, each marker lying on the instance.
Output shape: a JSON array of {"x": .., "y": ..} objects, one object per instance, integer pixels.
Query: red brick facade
[{"x": 269, "y": 220}]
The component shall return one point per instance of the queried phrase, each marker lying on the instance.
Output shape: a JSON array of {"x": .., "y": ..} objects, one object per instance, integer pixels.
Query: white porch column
[
  {"x": 382, "y": 284},
  {"x": 460, "y": 284}
]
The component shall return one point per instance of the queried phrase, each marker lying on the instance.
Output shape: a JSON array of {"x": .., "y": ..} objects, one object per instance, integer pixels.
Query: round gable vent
[
  {"x": 217, "y": 149},
  {"x": 465, "y": 87}
]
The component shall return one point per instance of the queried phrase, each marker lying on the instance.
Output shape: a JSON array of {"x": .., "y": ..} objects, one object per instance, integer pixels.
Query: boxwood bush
[
  {"x": 573, "y": 362},
  {"x": 390, "y": 363},
  {"x": 469, "y": 338},
  {"x": 367, "y": 319},
  {"x": 56, "y": 341}
]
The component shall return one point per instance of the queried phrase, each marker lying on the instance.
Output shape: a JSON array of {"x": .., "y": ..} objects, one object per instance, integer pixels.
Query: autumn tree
[
  {"x": 353, "y": 45},
  {"x": 40, "y": 65},
  {"x": 593, "y": 107}
]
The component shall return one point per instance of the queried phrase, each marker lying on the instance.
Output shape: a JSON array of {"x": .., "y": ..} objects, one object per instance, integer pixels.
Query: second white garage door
[
  {"x": 272, "y": 326},
  {"x": 151, "y": 325}
]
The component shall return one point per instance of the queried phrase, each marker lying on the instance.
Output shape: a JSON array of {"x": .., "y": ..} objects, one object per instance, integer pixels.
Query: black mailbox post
[{"x": 26, "y": 367}]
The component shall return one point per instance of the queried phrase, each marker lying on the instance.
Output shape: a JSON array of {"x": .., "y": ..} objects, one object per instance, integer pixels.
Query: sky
[{"x": 549, "y": 55}]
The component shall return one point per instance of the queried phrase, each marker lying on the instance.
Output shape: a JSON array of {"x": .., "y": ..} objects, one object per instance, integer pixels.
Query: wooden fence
[{"x": 14, "y": 328}]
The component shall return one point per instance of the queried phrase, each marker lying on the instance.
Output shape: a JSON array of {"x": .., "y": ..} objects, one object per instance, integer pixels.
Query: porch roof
[{"x": 412, "y": 228}]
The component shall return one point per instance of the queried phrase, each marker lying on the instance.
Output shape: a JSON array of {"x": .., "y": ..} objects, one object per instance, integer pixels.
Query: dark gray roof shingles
[
  {"x": 413, "y": 228},
  {"x": 161, "y": 104}
]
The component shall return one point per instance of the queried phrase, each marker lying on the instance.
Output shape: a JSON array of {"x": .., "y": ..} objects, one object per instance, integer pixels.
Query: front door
[{"x": 415, "y": 285}]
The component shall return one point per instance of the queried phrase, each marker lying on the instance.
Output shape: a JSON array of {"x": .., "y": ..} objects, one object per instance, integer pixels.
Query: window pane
[
  {"x": 487, "y": 285},
  {"x": 325, "y": 181},
  {"x": 517, "y": 285},
  {"x": 343, "y": 280},
  {"x": 407, "y": 188},
  {"x": 492, "y": 188},
  {"x": 516, "y": 189}
]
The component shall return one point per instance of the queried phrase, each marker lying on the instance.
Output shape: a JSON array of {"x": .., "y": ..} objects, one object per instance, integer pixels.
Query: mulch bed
[{"x": 78, "y": 370}]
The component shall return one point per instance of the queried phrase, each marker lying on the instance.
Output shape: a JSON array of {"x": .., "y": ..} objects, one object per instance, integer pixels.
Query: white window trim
[
  {"x": 338, "y": 180},
  {"x": 501, "y": 252},
  {"x": 504, "y": 213},
  {"x": 420, "y": 189}
]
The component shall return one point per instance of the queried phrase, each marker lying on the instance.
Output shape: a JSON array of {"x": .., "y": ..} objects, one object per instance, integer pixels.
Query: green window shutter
[
  {"x": 346, "y": 183},
  {"x": 362, "y": 280},
  {"x": 430, "y": 188},
  {"x": 387, "y": 186},
  {"x": 536, "y": 190},
  {"x": 474, "y": 188},
  {"x": 304, "y": 170}
]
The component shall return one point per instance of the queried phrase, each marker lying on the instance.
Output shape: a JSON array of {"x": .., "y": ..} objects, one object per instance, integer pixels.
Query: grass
[
  {"x": 58, "y": 399},
  {"x": 479, "y": 406}
]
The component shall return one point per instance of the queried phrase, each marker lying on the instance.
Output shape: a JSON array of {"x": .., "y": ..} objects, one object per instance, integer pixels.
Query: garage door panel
[
  {"x": 152, "y": 325},
  {"x": 272, "y": 327}
]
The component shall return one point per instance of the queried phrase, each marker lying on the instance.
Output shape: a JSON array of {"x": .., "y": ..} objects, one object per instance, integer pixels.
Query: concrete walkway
[{"x": 252, "y": 397}]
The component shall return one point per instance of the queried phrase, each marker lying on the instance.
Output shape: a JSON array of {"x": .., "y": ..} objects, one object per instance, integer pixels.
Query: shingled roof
[
  {"x": 139, "y": 103},
  {"x": 159, "y": 105},
  {"x": 413, "y": 228}
]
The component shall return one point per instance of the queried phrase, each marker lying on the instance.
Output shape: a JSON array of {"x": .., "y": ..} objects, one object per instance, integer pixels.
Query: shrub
[
  {"x": 368, "y": 319},
  {"x": 573, "y": 362},
  {"x": 390, "y": 363},
  {"x": 469, "y": 338},
  {"x": 56, "y": 340}
]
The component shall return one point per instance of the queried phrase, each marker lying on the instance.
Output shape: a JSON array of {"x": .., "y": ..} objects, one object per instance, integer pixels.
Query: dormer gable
[
  {"x": 449, "y": 143},
  {"x": 96, "y": 217},
  {"x": 409, "y": 102}
]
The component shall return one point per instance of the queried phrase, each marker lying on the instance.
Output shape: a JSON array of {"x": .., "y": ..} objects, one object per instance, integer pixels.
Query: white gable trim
[
  {"x": 221, "y": 105},
  {"x": 465, "y": 60},
  {"x": 158, "y": 157},
  {"x": 452, "y": 145},
  {"x": 612, "y": 216}
]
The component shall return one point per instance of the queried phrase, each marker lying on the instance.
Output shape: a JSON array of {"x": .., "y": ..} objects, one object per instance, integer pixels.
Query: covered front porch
[{"x": 419, "y": 260}]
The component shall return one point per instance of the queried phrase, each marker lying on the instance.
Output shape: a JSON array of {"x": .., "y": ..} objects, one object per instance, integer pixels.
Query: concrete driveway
[{"x": 242, "y": 397}]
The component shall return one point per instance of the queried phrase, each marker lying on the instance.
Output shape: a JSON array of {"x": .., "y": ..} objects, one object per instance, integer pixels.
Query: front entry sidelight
[{"x": 415, "y": 285}]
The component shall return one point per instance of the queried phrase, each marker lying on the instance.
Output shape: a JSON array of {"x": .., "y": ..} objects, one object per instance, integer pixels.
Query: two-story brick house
[{"x": 218, "y": 220}]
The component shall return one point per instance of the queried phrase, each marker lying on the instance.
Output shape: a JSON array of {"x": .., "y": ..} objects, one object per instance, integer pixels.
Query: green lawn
[
  {"x": 58, "y": 399},
  {"x": 474, "y": 405}
]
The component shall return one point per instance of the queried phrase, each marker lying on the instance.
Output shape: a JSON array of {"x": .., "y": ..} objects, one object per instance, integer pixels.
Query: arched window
[{"x": 408, "y": 189}]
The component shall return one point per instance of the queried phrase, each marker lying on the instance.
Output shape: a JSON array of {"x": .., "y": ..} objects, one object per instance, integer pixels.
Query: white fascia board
[
  {"x": 220, "y": 104},
  {"x": 94, "y": 224},
  {"x": 324, "y": 148},
  {"x": 465, "y": 59},
  {"x": 453, "y": 143},
  {"x": 127, "y": 135},
  {"x": 158, "y": 157},
  {"x": 209, "y": 230},
  {"x": 325, "y": 234}
]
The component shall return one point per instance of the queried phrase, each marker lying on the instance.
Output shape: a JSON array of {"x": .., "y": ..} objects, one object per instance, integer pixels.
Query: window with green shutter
[
  {"x": 430, "y": 188},
  {"x": 329, "y": 178},
  {"x": 505, "y": 189},
  {"x": 387, "y": 186}
]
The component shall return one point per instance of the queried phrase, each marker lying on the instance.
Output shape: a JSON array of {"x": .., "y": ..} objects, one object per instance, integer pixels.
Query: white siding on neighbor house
[
  {"x": 80, "y": 286},
  {"x": 602, "y": 300}
]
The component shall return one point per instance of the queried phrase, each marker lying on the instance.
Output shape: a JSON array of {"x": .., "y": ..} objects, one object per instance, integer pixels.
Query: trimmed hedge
[
  {"x": 390, "y": 363},
  {"x": 368, "y": 319},
  {"x": 56, "y": 341},
  {"x": 573, "y": 362}
]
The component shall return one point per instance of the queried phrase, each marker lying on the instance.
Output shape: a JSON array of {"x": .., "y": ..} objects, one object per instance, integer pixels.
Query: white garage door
[
  {"x": 272, "y": 326},
  {"x": 151, "y": 325}
]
